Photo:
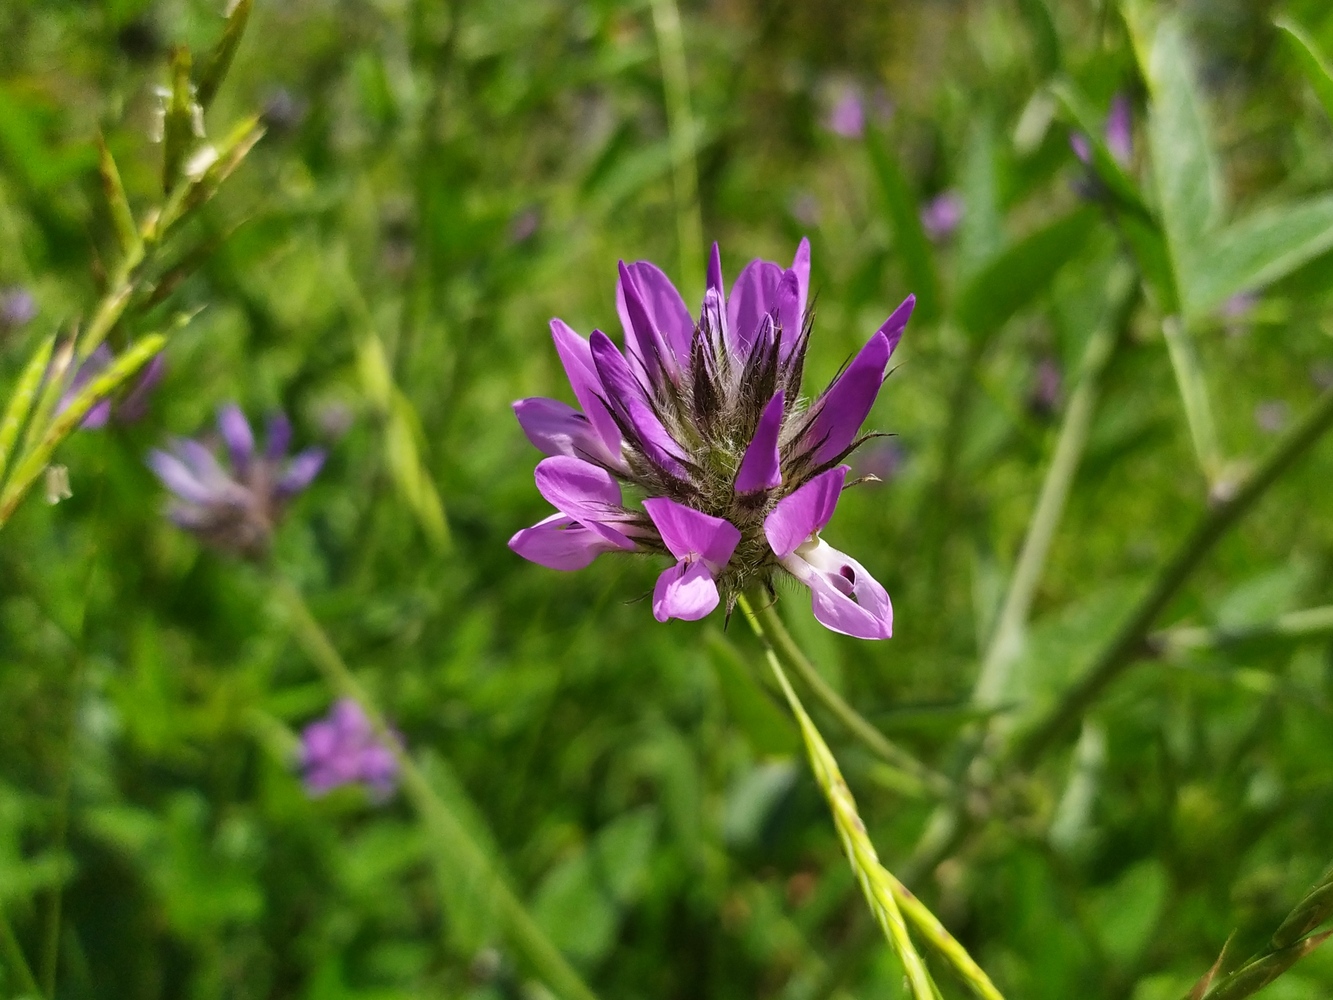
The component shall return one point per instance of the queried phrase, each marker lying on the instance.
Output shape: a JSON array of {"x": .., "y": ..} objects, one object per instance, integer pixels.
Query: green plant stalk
[
  {"x": 1309, "y": 623},
  {"x": 450, "y": 836},
  {"x": 1193, "y": 388},
  {"x": 1130, "y": 639},
  {"x": 855, "y": 723},
  {"x": 20, "y": 404},
  {"x": 13, "y": 953},
  {"x": 887, "y": 898},
  {"x": 680, "y": 122},
  {"x": 1007, "y": 639}
]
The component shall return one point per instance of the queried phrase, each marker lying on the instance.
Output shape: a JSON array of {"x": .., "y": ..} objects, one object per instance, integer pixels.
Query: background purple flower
[
  {"x": 237, "y": 505},
  {"x": 131, "y": 408},
  {"x": 942, "y": 215},
  {"x": 343, "y": 749},
  {"x": 847, "y": 115},
  {"x": 17, "y": 308}
]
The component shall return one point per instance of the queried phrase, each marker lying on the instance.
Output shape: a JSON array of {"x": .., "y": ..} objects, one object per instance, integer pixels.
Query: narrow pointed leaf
[
  {"x": 219, "y": 60},
  {"x": 178, "y": 124},
  {"x": 1312, "y": 62},
  {"x": 1045, "y": 40},
  {"x": 127, "y": 231},
  {"x": 20, "y": 404},
  {"x": 904, "y": 217}
]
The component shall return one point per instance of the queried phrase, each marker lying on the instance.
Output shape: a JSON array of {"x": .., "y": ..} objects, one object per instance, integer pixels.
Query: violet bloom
[
  {"x": 942, "y": 215},
  {"x": 1119, "y": 134},
  {"x": 343, "y": 749},
  {"x": 1047, "y": 387},
  {"x": 133, "y": 407},
  {"x": 706, "y": 419},
  {"x": 235, "y": 507},
  {"x": 17, "y": 308},
  {"x": 847, "y": 116}
]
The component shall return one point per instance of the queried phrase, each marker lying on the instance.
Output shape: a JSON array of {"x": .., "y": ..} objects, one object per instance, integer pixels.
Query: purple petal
[
  {"x": 761, "y": 466},
  {"x": 714, "y": 280},
  {"x": 685, "y": 590},
  {"x": 688, "y": 532},
  {"x": 789, "y": 311},
  {"x": 236, "y": 432},
  {"x": 1081, "y": 146},
  {"x": 844, "y": 597},
  {"x": 98, "y": 416},
  {"x": 842, "y": 409},
  {"x": 1120, "y": 130},
  {"x": 318, "y": 741},
  {"x": 801, "y": 265},
  {"x": 134, "y": 406},
  {"x": 561, "y": 543},
  {"x": 661, "y": 305},
  {"x": 576, "y": 356},
  {"x": 555, "y": 428},
  {"x": 647, "y": 349},
  {"x": 299, "y": 472},
  {"x": 626, "y": 395},
  {"x": 584, "y": 491},
  {"x": 801, "y": 514},
  {"x": 753, "y": 297},
  {"x": 279, "y": 436},
  {"x": 179, "y": 478}
]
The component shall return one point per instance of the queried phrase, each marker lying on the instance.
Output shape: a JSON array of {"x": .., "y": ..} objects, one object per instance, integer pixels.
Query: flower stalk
[
  {"x": 891, "y": 904},
  {"x": 18, "y": 965},
  {"x": 451, "y": 839}
]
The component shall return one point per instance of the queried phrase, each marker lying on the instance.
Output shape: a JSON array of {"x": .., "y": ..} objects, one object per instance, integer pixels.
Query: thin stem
[
  {"x": 1129, "y": 641},
  {"x": 451, "y": 837},
  {"x": 9, "y": 944},
  {"x": 1007, "y": 639},
  {"x": 888, "y": 899},
  {"x": 680, "y": 122},
  {"x": 855, "y": 723}
]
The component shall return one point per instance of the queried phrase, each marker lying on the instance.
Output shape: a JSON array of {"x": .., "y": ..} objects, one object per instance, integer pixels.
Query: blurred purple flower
[
  {"x": 343, "y": 749},
  {"x": 235, "y": 508},
  {"x": 942, "y": 215},
  {"x": 1272, "y": 416},
  {"x": 1119, "y": 134},
  {"x": 283, "y": 111},
  {"x": 847, "y": 115},
  {"x": 1047, "y": 387},
  {"x": 131, "y": 409},
  {"x": 17, "y": 308},
  {"x": 804, "y": 208},
  {"x": 524, "y": 225},
  {"x": 1237, "y": 311},
  {"x": 882, "y": 459},
  {"x": 706, "y": 419}
]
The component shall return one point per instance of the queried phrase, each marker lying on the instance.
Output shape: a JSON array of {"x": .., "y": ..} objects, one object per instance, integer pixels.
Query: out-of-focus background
[{"x": 437, "y": 181}]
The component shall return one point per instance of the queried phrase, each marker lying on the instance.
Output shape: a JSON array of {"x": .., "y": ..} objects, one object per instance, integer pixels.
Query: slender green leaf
[
  {"x": 127, "y": 231},
  {"x": 219, "y": 60},
  {"x": 1045, "y": 40},
  {"x": 1258, "y": 251},
  {"x": 1021, "y": 273},
  {"x": 178, "y": 123},
  {"x": 1188, "y": 178},
  {"x": 1193, "y": 388},
  {"x": 20, "y": 404},
  {"x": 1312, "y": 62},
  {"x": 981, "y": 233},
  {"x": 904, "y": 217}
]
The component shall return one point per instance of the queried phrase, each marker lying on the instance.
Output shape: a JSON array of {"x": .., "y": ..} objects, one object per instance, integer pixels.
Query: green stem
[
  {"x": 9, "y": 945},
  {"x": 888, "y": 899},
  {"x": 1007, "y": 639},
  {"x": 451, "y": 837},
  {"x": 1130, "y": 640},
  {"x": 680, "y": 122},
  {"x": 855, "y": 723}
]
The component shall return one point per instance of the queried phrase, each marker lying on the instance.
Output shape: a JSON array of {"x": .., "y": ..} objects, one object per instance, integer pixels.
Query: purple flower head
[
  {"x": 342, "y": 749},
  {"x": 1119, "y": 134},
  {"x": 847, "y": 115},
  {"x": 131, "y": 408},
  {"x": 235, "y": 506},
  {"x": 17, "y": 308},
  {"x": 1047, "y": 388},
  {"x": 942, "y": 215},
  {"x": 705, "y": 418}
]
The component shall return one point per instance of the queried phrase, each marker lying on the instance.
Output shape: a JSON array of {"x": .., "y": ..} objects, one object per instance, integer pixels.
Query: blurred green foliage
[{"x": 438, "y": 180}]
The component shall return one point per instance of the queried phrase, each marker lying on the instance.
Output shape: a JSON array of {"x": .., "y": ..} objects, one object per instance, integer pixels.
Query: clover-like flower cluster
[
  {"x": 235, "y": 508},
  {"x": 706, "y": 420}
]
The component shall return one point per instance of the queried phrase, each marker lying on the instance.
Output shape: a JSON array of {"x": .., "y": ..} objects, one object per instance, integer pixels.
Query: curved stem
[
  {"x": 855, "y": 723},
  {"x": 680, "y": 123},
  {"x": 450, "y": 836},
  {"x": 888, "y": 899}
]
